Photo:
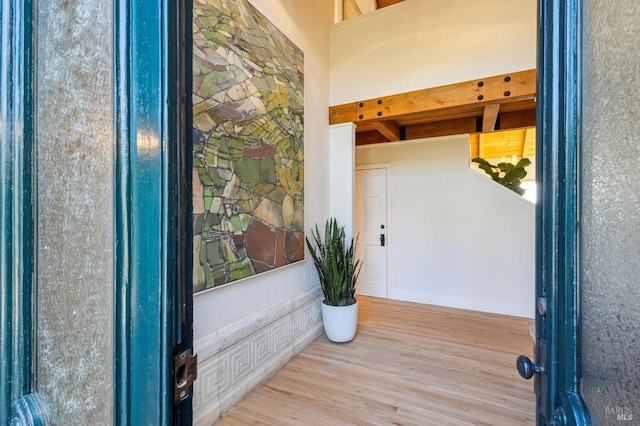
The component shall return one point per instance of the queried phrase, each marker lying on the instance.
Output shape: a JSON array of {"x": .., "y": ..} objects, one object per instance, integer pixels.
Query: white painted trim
[
  {"x": 236, "y": 359},
  {"x": 342, "y": 160}
]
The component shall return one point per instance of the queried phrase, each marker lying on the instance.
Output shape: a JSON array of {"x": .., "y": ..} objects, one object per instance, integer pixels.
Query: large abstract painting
[{"x": 248, "y": 144}]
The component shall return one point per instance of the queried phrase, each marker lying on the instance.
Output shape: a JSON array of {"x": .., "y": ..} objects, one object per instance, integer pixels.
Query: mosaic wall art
[{"x": 248, "y": 157}]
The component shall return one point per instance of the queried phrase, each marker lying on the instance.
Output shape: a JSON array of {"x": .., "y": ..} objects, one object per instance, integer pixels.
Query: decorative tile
[
  {"x": 227, "y": 376},
  {"x": 281, "y": 335},
  {"x": 263, "y": 346},
  {"x": 235, "y": 363}
]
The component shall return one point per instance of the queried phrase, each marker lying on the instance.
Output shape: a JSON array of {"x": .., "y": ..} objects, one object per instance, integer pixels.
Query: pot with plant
[{"x": 338, "y": 269}]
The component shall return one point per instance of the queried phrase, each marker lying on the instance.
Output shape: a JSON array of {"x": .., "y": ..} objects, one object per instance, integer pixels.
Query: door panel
[
  {"x": 18, "y": 402},
  {"x": 371, "y": 229},
  {"x": 152, "y": 304},
  {"x": 556, "y": 367}
]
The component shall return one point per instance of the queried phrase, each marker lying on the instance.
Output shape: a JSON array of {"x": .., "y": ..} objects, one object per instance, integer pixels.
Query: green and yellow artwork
[{"x": 248, "y": 144}]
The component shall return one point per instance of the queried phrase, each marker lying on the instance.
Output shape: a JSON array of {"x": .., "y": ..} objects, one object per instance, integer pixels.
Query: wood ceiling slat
[
  {"x": 481, "y": 145},
  {"x": 495, "y": 145},
  {"x": 529, "y": 145},
  {"x": 474, "y": 145}
]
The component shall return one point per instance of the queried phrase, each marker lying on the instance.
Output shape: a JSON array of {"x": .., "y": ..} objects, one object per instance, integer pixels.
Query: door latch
[
  {"x": 382, "y": 240},
  {"x": 185, "y": 371}
]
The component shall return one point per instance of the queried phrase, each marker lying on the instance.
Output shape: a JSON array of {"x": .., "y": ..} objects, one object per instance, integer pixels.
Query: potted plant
[
  {"x": 506, "y": 174},
  {"x": 338, "y": 269}
]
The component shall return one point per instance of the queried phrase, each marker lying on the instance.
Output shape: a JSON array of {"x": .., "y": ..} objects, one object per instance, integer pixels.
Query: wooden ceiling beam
[
  {"x": 350, "y": 9},
  {"x": 389, "y": 129},
  {"x": 489, "y": 117},
  {"x": 441, "y": 128},
  {"x": 503, "y": 88},
  {"x": 385, "y": 3},
  {"x": 518, "y": 119},
  {"x": 422, "y": 131},
  {"x": 369, "y": 137}
]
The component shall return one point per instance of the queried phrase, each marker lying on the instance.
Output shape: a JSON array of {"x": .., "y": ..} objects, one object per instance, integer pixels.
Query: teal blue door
[
  {"x": 559, "y": 400},
  {"x": 17, "y": 400},
  {"x": 153, "y": 364},
  {"x": 587, "y": 351},
  {"x": 557, "y": 364}
]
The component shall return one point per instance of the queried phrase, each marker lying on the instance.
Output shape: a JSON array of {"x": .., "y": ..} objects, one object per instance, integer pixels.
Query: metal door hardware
[
  {"x": 542, "y": 306},
  {"x": 185, "y": 366},
  {"x": 528, "y": 368}
]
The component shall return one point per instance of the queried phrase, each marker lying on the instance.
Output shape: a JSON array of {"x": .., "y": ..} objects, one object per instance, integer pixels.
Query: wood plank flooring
[{"x": 409, "y": 364}]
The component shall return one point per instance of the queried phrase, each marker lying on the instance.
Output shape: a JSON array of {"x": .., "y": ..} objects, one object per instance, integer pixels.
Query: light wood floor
[{"x": 409, "y": 364}]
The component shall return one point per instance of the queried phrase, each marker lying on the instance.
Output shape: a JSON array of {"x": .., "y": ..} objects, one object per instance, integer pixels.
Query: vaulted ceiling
[{"x": 499, "y": 112}]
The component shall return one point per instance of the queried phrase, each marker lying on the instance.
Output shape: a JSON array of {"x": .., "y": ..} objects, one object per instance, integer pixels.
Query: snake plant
[{"x": 334, "y": 258}]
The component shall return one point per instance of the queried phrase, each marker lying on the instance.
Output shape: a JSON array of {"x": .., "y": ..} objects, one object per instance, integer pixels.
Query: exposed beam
[
  {"x": 489, "y": 117},
  {"x": 518, "y": 119},
  {"x": 389, "y": 129},
  {"x": 350, "y": 9},
  {"x": 369, "y": 137},
  {"x": 441, "y": 128},
  {"x": 424, "y": 130},
  {"x": 504, "y": 88},
  {"x": 385, "y": 3}
]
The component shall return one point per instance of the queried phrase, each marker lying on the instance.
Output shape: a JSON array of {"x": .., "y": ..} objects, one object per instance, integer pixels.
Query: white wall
[
  {"x": 449, "y": 224},
  {"x": 418, "y": 44},
  {"x": 246, "y": 330},
  {"x": 459, "y": 239}
]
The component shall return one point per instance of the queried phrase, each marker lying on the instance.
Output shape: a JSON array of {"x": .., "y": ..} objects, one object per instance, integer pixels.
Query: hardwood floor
[{"x": 409, "y": 364}]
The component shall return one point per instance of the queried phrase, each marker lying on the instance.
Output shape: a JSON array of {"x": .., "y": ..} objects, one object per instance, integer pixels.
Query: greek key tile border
[{"x": 236, "y": 359}]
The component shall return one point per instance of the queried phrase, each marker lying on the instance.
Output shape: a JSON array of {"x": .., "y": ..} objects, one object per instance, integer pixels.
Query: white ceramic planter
[{"x": 340, "y": 322}]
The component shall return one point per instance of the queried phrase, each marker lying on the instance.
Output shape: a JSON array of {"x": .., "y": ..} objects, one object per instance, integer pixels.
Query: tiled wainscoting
[{"x": 236, "y": 358}]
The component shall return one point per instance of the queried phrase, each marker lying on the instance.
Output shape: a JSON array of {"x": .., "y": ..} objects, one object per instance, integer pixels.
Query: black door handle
[
  {"x": 382, "y": 240},
  {"x": 527, "y": 368}
]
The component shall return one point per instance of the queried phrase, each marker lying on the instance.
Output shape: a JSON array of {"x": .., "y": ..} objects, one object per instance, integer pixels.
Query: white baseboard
[
  {"x": 236, "y": 359},
  {"x": 481, "y": 305}
]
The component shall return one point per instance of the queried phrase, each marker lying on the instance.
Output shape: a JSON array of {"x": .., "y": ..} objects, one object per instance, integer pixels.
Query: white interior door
[{"x": 371, "y": 227}]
